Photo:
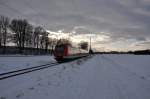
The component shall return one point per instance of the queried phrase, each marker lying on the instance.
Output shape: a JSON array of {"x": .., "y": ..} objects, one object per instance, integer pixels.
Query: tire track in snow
[
  {"x": 122, "y": 68},
  {"x": 116, "y": 86},
  {"x": 130, "y": 84}
]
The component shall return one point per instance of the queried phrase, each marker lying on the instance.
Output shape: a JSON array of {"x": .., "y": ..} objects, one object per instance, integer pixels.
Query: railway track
[{"x": 26, "y": 70}]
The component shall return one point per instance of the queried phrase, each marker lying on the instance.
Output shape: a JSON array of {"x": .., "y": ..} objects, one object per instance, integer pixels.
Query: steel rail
[{"x": 26, "y": 70}]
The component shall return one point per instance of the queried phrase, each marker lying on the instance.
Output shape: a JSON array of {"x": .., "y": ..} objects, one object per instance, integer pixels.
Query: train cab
[{"x": 60, "y": 52}]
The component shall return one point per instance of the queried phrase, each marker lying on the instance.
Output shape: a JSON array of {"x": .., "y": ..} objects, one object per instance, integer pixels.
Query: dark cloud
[
  {"x": 144, "y": 43},
  {"x": 141, "y": 39}
]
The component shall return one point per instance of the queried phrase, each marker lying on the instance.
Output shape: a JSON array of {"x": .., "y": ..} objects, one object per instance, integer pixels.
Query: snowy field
[
  {"x": 14, "y": 62},
  {"x": 98, "y": 77}
]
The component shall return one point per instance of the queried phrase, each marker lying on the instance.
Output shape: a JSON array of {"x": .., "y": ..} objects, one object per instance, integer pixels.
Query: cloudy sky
[{"x": 113, "y": 24}]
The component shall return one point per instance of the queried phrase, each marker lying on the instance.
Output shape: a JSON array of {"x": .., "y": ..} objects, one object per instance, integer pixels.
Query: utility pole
[
  {"x": 90, "y": 49},
  {"x": 90, "y": 42}
]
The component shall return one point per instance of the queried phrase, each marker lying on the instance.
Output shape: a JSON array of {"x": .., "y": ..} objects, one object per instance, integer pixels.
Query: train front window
[{"x": 59, "y": 49}]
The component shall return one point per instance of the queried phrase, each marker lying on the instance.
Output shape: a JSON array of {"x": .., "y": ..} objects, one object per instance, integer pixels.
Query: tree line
[{"x": 23, "y": 34}]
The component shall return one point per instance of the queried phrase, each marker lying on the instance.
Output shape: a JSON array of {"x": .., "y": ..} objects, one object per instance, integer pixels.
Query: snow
[
  {"x": 97, "y": 77},
  {"x": 15, "y": 62}
]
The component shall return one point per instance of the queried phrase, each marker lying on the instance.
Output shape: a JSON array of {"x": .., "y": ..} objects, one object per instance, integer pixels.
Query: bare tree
[
  {"x": 24, "y": 25},
  {"x": 44, "y": 40},
  {"x": 1, "y": 32},
  {"x": 29, "y": 36},
  {"x": 36, "y": 36},
  {"x": 83, "y": 45},
  {"x": 4, "y": 24},
  {"x": 52, "y": 43},
  {"x": 64, "y": 41},
  {"x": 20, "y": 28}
]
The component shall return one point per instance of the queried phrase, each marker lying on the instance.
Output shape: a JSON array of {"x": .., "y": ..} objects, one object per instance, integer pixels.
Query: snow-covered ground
[
  {"x": 98, "y": 77},
  {"x": 15, "y": 62}
]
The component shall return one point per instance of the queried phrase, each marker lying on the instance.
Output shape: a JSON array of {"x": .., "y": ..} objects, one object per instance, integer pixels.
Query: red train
[{"x": 65, "y": 52}]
